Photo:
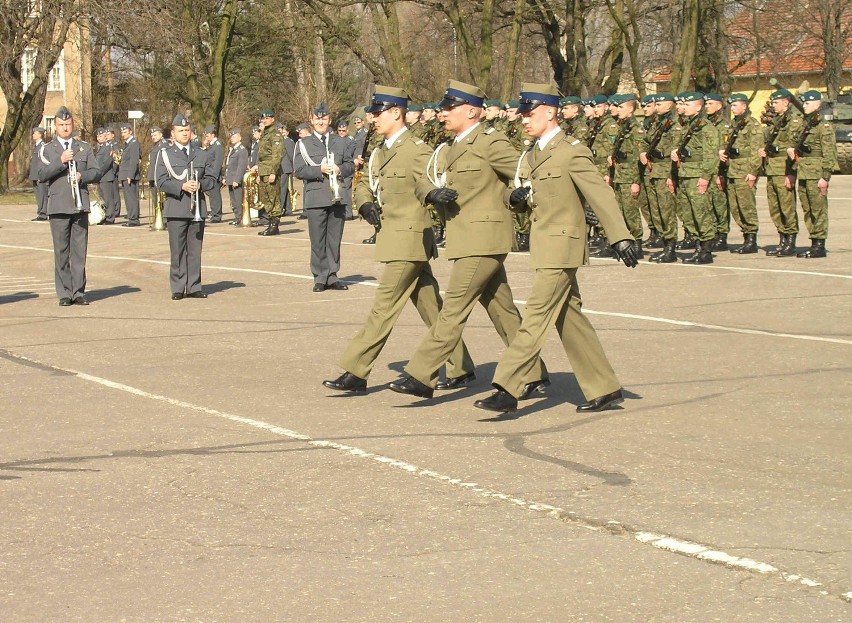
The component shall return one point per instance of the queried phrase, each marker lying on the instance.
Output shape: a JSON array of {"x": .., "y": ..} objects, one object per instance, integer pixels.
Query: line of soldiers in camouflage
[{"x": 686, "y": 161}]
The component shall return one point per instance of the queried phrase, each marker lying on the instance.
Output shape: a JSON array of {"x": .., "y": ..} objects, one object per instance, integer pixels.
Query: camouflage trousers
[
  {"x": 269, "y": 196},
  {"x": 742, "y": 199},
  {"x": 662, "y": 206},
  {"x": 694, "y": 209},
  {"x": 629, "y": 210},
  {"x": 719, "y": 207},
  {"x": 522, "y": 222},
  {"x": 644, "y": 206},
  {"x": 782, "y": 205},
  {"x": 814, "y": 209}
]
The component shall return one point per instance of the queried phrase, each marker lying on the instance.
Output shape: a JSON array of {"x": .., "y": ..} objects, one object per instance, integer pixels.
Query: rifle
[
  {"x": 800, "y": 148},
  {"x": 652, "y": 151},
  {"x": 593, "y": 133},
  {"x": 618, "y": 156},
  {"x": 684, "y": 152},
  {"x": 360, "y": 172},
  {"x": 730, "y": 151},
  {"x": 779, "y": 123}
]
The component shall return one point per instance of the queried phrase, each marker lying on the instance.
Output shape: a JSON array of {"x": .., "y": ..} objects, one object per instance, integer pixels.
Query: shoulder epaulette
[
  {"x": 418, "y": 142},
  {"x": 576, "y": 141},
  {"x": 489, "y": 130}
]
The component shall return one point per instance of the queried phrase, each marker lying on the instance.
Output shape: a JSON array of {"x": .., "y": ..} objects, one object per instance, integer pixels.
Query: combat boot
[
  {"x": 667, "y": 255},
  {"x": 370, "y": 240},
  {"x": 817, "y": 249},
  {"x": 788, "y": 249},
  {"x": 749, "y": 245},
  {"x": 262, "y": 217},
  {"x": 720, "y": 243},
  {"x": 523, "y": 242},
  {"x": 688, "y": 242},
  {"x": 654, "y": 241},
  {"x": 604, "y": 250},
  {"x": 782, "y": 240},
  {"x": 271, "y": 229}
]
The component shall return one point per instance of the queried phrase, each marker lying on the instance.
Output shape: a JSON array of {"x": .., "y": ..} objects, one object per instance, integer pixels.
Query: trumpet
[
  {"x": 75, "y": 184},
  {"x": 332, "y": 177},
  {"x": 196, "y": 196}
]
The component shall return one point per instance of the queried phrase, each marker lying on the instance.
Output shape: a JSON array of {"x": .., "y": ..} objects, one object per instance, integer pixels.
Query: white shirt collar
[
  {"x": 546, "y": 138},
  {"x": 390, "y": 141},
  {"x": 461, "y": 136},
  {"x": 319, "y": 136}
]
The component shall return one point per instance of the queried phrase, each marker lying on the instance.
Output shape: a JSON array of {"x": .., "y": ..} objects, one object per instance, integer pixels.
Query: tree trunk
[
  {"x": 507, "y": 83},
  {"x": 684, "y": 60}
]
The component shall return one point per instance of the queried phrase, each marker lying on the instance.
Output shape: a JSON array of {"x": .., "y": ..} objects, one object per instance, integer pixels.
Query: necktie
[
  {"x": 186, "y": 149},
  {"x": 323, "y": 140},
  {"x": 66, "y": 143}
]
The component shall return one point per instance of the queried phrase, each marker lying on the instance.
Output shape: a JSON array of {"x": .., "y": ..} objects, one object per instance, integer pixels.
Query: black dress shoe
[
  {"x": 370, "y": 240},
  {"x": 456, "y": 382},
  {"x": 131, "y": 224},
  {"x": 108, "y": 223},
  {"x": 215, "y": 220},
  {"x": 500, "y": 401},
  {"x": 80, "y": 300},
  {"x": 602, "y": 402},
  {"x": 319, "y": 287},
  {"x": 65, "y": 302},
  {"x": 347, "y": 382},
  {"x": 40, "y": 218},
  {"x": 536, "y": 387},
  {"x": 412, "y": 387},
  {"x": 196, "y": 295},
  {"x": 337, "y": 285},
  {"x": 303, "y": 216},
  {"x": 176, "y": 296}
]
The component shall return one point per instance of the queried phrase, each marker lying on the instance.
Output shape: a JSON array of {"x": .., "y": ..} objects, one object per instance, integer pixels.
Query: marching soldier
[
  {"x": 740, "y": 168},
  {"x": 270, "y": 152},
  {"x": 658, "y": 164},
  {"x": 714, "y": 111},
  {"x": 68, "y": 166},
  {"x": 815, "y": 154},
  {"x": 696, "y": 156},
  {"x": 557, "y": 174},
  {"x": 236, "y": 166},
  {"x": 321, "y": 160},
  {"x": 780, "y": 172},
  {"x": 184, "y": 174},
  {"x": 469, "y": 191},
  {"x": 216, "y": 156},
  {"x": 128, "y": 174},
  {"x": 39, "y": 188},
  {"x": 393, "y": 194}
]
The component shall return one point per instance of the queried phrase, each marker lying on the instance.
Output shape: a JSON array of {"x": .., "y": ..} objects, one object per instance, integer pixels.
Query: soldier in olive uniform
[
  {"x": 573, "y": 120},
  {"x": 270, "y": 152},
  {"x": 780, "y": 172},
  {"x": 658, "y": 164},
  {"x": 714, "y": 111},
  {"x": 391, "y": 197},
  {"x": 476, "y": 170},
  {"x": 695, "y": 152},
  {"x": 649, "y": 118},
  {"x": 602, "y": 132},
  {"x": 623, "y": 173},
  {"x": 412, "y": 121},
  {"x": 555, "y": 176},
  {"x": 815, "y": 154},
  {"x": 740, "y": 168}
]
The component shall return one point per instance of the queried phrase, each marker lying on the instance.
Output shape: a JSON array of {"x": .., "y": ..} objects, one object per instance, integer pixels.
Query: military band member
[
  {"x": 555, "y": 177},
  {"x": 212, "y": 144},
  {"x": 655, "y": 156},
  {"x": 741, "y": 166},
  {"x": 714, "y": 111},
  {"x": 391, "y": 197},
  {"x": 113, "y": 203},
  {"x": 815, "y": 154},
  {"x": 321, "y": 160},
  {"x": 255, "y": 138},
  {"x": 236, "y": 166},
  {"x": 157, "y": 143},
  {"x": 68, "y": 166},
  {"x": 781, "y": 173},
  {"x": 39, "y": 188},
  {"x": 184, "y": 174},
  {"x": 287, "y": 179},
  {"x": 128, "y": 174},
  {"x": 469, "y": 190},
  {"x": 270, "y": 152},
  {"x": 107, "y": 168}
]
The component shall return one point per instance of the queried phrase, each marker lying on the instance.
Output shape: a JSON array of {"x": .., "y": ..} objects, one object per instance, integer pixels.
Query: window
[
  {"x": 28, "y": 67},
  {"x": 50, "y": 127},
  {"x": 56, "y": 77}
]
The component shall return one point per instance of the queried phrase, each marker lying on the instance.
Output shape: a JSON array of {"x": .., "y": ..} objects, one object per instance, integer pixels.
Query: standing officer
[
  {"x": 392, "y": 195},
  {"x": 39, "y": 188},
  {"x": 477, "y": 167},
  {"x": 714, "y": 110},
  {"x": 128, "y": 174},
  {"x": 157, "y": 143},
  {"x": 346, "y": 180},
  {"x": 216, "y": 156},
  {"x": 113, "y": 203},
  {"x": 815, "y": 154},
  {"x": 107, "y": 168},
  {"x": 184, "y": 173},
  {"x": 68, "y": 167},
  {"x": 740, "y": 168},
  {"x": 781, "y": 172},
  {"x": 322, "y": 159},
  {"x": 658, "y": 164},
  {"x": 287, "y": 174},
  {"x": 270, "y": 151},
  {"x": 696, "y": 156},
  {"x": 236, "y": 165},
  {"x": 556, "y": 176},
  {"x": 255, "y": 138}
]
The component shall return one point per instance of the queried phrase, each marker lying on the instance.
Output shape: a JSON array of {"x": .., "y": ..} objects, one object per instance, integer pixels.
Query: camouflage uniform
[
  {"x": 625, "y": 173},
  {"x": 661, "y": 202},
  {"x": 270, "y": 152},
  {"x": 782, "y": 201},
  {"x": 520, "y": 140},
  {"x": 745, "y": 137},
  {"x": 718, "y": 199},
  {"x": 702, "y": 163}
]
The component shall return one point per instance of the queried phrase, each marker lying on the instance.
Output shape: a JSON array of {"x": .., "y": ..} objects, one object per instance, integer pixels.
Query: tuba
[{"x": 250, "y": 197}]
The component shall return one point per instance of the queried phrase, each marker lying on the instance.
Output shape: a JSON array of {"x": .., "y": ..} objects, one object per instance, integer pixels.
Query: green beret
[
  {"x": 690, "y": 96},
  {"x": 570, "y": 100},
  {"x": 267, "y": 113},
  {"x": 648, "y": 99},
  {"x": 415, "y": 107},
  {"x": 737, "y": 97},
  {"x": 780, "y": 94},
  {"x": 489, "y": 103},
  {"x": 512, "y": 104},
  {"x": 597, "y": 100},
  {"x": 713, "y": 97},
  {"x": 621, "y": 98},
  {"x": 810, "y": 96},
  {"x": 664, "y": 97}
]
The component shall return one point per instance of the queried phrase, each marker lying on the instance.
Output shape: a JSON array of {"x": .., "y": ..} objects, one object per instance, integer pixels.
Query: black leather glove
[
  {"x": 519, "y": 196},
  {"x": 591, "y": 217},
  {"x": 370, "y": 213},
  {"x": 441, "y": 195},
  {"x": 625, "y": 251}
]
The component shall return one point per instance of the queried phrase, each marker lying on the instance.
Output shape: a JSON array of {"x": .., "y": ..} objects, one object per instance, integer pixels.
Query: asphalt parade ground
[{"x": 180, "y": 460}]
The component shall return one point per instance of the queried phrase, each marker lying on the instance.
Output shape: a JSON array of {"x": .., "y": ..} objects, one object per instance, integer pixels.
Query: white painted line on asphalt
[
  {"x": 660, "y": 541},
  {"x": 373, "y": 284}
]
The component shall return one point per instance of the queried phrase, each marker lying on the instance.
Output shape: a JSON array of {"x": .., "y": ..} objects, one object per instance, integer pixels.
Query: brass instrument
[
  {"x": 196, "y": 196},
  {"x": 116, "y": 155},
  {"x": 156, "y": 204},
  {"x": 250, "y": 197},
  {"x": 143, "y": 174},
  {"x": 75, "y": 184},
  {"x": 292, "y": 192},
  {"x": 333, "y": 182}
]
